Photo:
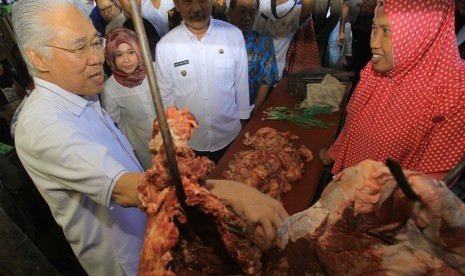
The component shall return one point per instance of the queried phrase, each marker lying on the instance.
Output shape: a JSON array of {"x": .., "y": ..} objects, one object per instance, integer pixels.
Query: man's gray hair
[{"x": 31, "y": 32}]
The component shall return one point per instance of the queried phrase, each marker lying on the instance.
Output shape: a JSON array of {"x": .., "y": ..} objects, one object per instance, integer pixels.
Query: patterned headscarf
[
  {"x": 114, "y": 38},
  {"x": 415, "y": 113}
]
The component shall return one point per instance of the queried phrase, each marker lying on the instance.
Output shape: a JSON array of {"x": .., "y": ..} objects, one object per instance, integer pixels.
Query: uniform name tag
[{"x": 180, "y": 63}]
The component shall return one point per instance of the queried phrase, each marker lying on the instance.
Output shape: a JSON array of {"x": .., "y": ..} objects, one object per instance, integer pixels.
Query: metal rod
[
  {"x": 455, "y": 172},
  {"x": 398, "y": 174},
  {"x": 157, "y": 101}
]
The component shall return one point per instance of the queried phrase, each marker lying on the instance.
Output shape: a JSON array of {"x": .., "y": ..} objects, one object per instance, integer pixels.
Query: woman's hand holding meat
[{"x": 263, "y": 215}]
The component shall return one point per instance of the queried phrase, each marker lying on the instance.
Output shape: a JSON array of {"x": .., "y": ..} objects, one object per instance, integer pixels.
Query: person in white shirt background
[
  {"x": 126, "y": 94},
  {"x": 202, "y": 65},
  {"x": 292, "y": 16},
  {"x": 156, "y": 11},
  {"x": 83, "y": 165}
]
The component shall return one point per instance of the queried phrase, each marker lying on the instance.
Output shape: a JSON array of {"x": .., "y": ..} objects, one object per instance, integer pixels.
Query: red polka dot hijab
[
  {"x": 114, "y": 38},
  {"x": 415, "y": 113}
]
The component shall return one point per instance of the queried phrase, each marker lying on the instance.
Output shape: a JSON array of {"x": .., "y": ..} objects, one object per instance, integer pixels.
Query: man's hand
[
  {"x": 342, "y": 22},
  {"x": 261, "y": 97},
  {"x": 325, "y": 158},
  {"x": 340, "y": 39},
  {"x": 263, "y": 214},
  {"x": 125, "y": 192}
]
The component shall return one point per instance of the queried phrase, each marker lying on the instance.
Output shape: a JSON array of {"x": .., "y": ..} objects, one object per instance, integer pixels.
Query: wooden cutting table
[{"x": 301, "y": 195}]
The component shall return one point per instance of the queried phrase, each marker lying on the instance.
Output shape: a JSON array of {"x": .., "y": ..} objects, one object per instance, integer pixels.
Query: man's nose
[
  {"x": 196, "y": 7},
  {"x": 247, "y": 16},
  {"x": 95, "y": 57}
]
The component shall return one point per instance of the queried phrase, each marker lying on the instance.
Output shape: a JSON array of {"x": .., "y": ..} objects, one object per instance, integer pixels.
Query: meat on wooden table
[{"x": 273, "y": 163}]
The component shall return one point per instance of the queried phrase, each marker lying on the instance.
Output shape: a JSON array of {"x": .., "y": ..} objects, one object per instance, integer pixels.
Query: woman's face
[
  {"x": 126, "y": 58},
  {"x": 381, "y": 44}
]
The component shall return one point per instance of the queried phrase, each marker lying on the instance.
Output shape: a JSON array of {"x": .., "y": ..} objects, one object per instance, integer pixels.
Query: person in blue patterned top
[{"x": 263, "y": 70}]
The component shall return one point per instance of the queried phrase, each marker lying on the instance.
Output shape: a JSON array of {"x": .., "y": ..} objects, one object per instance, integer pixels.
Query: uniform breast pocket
[
  {"x": 224, "y": 72},
  {"x": 185, "y": 80}
]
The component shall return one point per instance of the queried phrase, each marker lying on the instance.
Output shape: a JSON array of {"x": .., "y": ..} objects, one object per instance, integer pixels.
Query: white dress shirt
[
  {"x": 133, "y": 111},
  {"x": 158, "y": 17},
  {"x": 75, "y": 154},
  {"x": 280, "y": 30},
  {"x": 209, "y": 77}
]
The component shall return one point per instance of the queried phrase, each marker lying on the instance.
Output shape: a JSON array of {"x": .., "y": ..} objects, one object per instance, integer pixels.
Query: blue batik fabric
[{"x": 263, "y": 69}]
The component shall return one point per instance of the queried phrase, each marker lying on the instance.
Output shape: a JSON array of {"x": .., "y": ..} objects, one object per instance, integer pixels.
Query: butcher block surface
[{"x": 300, "y": 196}]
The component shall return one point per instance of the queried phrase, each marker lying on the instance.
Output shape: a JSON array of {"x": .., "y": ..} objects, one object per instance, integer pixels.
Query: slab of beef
[
  {"x": 364, "y": 225},
  {"x": 272, "y": 165},
  {"x": 204, "y": 244}
]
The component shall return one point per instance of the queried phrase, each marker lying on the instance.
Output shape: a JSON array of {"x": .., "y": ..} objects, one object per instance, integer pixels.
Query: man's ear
[{"x": 39, "y": 61}]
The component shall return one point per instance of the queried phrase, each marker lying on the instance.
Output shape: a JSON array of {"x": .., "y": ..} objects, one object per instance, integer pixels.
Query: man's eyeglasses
[
  {"x": 107, "y": 9},
  {"x": 82, "y": 51}
]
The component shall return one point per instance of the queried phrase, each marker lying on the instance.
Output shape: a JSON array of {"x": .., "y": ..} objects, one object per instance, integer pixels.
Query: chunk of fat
[{"x": 310, "y": 223}]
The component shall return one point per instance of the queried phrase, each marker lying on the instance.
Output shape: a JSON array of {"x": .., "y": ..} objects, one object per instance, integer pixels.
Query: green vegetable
[
  {"x": 302, "y": 116},
  {"x": 5, "y": 9}
]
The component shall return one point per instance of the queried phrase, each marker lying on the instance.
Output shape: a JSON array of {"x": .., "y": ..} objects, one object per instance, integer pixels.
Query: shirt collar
[
  {"x": 74, "y": 103},
  {"x": 209, "y": 30}
]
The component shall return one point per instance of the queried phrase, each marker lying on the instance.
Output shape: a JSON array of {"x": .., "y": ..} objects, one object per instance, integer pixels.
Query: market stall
[{"x": 315, "y": 138}]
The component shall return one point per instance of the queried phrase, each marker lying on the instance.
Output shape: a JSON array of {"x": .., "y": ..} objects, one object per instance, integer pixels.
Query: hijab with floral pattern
[{"x": 116, "y": 37}]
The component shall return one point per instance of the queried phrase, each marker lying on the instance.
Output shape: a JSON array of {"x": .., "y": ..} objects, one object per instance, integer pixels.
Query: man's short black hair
[{"x": 232, "y": 4}]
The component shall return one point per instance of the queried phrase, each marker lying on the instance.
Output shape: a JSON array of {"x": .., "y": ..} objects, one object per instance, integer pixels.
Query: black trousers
[{"x": 213, "y": 155}]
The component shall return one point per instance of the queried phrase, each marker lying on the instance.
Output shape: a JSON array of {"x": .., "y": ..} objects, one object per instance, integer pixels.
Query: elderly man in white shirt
[
  {"x": 80, "y": 162},
  {"x": 202, "y": 65}
]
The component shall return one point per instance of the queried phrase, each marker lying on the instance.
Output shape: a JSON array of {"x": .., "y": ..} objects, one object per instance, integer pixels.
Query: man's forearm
[
  {"x": 344, "y": 15},
  {"x": 261, "y": 96},
  {"x": 306, "y": 10}
]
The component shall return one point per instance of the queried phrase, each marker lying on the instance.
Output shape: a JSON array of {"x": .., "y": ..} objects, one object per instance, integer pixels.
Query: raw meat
[
  {"x": 272, "y": 165},
  {"x": 205, "y": 243},
  {"x": 364, "y": 225}
]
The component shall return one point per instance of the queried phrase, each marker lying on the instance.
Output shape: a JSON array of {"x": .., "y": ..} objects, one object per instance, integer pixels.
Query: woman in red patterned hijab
[
  {"x": 115, "y": 38},
  {"x": 410, "y": 102}
]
